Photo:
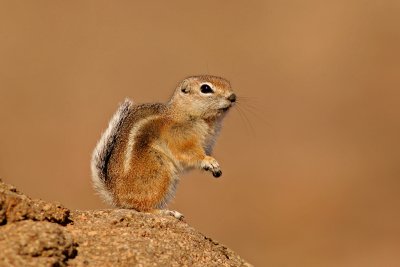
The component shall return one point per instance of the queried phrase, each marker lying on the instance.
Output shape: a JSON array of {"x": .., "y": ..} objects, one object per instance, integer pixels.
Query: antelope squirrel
[{"x": 137, "y": 161}]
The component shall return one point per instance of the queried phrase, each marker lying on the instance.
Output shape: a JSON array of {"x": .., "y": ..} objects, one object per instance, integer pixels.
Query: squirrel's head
[{"x": 204, "y": 96}]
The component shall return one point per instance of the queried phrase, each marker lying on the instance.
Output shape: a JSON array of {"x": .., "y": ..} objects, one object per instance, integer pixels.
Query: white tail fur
[{"x": 103, "y": 149}]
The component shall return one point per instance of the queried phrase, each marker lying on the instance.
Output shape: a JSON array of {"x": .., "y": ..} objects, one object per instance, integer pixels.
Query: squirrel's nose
[{"x": 232, "y": 98}]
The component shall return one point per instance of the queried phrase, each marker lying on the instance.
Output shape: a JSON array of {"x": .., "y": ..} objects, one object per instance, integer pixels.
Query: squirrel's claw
[
  {"x": 217, "y": 173},
  {"x": 175, "y": 214},
  {"x": 172, "y": 213},
  {"x": 211, "y": 164}
]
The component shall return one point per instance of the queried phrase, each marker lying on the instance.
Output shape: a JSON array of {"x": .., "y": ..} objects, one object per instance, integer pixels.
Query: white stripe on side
[{"x": 131, "y": 141}]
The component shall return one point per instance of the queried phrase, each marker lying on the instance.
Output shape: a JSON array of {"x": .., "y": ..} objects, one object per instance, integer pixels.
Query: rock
[
  {"x": 126, "y": 237},
  {"x": 15, "y": 206},
  {"x": 30, "y": 243},
  {"x": 37, "y": 233}
]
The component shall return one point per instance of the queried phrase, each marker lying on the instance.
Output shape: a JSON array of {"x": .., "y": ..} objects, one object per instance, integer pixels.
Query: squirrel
[{"x": 138, "y": 159}]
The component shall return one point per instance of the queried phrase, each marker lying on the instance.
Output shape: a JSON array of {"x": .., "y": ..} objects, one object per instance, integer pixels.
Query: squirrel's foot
[
  {"x": 211, "y": 164},
  {"x": 172, "y": 213}
]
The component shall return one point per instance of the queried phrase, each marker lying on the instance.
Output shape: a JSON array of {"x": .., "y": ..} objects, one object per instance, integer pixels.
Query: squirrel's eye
[{"x": 206, "y": 89}]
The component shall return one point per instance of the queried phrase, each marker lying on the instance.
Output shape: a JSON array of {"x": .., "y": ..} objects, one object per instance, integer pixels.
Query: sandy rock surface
[
  {"x": 33, "y": 243},
  {"x": 15, "y": 206},
  {"x": 37, "y": 233}
]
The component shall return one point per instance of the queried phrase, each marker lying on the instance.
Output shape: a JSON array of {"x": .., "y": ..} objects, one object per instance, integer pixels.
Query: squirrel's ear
[
  {"x": 185, "y": 87},
  {"x": 185, "y": 90}
]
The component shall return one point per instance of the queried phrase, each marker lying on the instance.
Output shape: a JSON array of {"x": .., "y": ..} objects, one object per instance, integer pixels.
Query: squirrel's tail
[{"x": 102, "y": 152}]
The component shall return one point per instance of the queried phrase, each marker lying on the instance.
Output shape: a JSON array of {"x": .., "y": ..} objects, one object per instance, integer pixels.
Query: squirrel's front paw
[{"x": 211, "y": 164}]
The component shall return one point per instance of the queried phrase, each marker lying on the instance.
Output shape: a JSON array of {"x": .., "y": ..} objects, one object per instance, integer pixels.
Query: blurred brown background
[{"x": 311, "y": 173}]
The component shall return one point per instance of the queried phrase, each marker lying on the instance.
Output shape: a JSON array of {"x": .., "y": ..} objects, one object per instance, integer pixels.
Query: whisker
[
  {"x": 248, "y": 123},
  {"x": 250, "y": 101},
  {"x": 248, "y": 98},
  {"x": 249, "y": 106},
  {"x": 254, "y": 113},
  {"x": 243, "y": 120}
]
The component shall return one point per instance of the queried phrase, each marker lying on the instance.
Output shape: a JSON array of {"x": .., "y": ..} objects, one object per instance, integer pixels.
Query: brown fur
[{"x": 171, "y": 138}]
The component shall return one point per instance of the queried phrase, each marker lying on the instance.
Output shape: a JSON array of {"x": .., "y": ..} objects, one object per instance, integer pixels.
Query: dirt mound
[{"x": 37, "y": 233}]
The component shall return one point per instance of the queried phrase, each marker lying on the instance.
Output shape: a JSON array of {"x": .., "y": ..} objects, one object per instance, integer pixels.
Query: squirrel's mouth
[
  {"x": 225, "y": 109},
  {"x": 228, "y": 106}
]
